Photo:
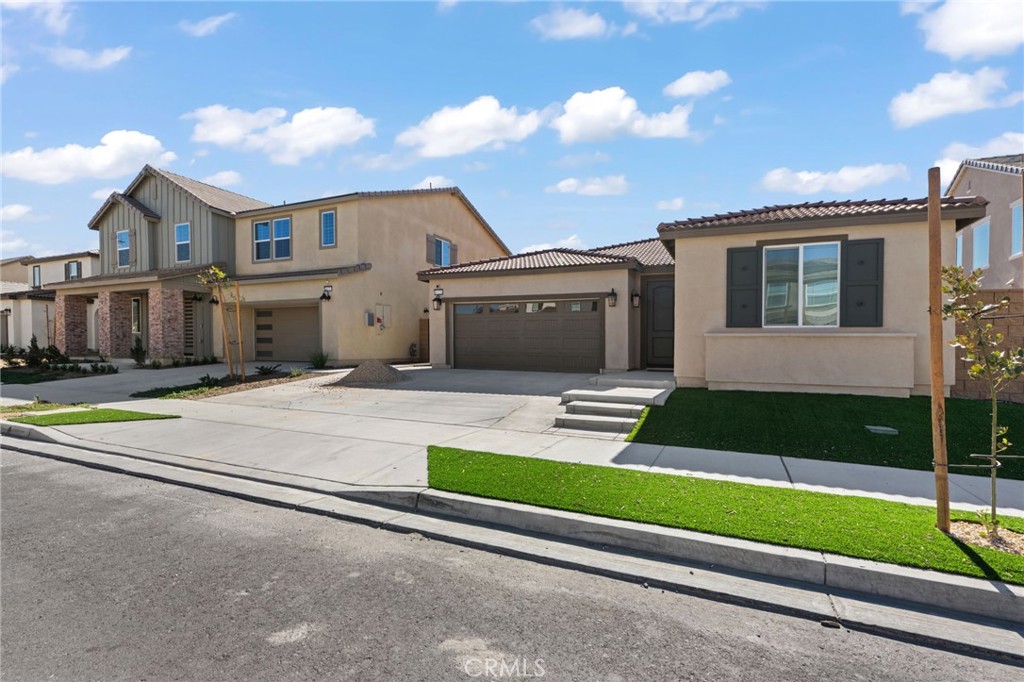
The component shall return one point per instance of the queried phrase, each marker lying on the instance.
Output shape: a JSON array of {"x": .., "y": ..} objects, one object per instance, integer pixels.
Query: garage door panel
[{"x": 289, "y": 334}]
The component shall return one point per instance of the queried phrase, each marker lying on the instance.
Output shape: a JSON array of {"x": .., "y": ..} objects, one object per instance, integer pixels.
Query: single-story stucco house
[{"x": 816, "y": 297}]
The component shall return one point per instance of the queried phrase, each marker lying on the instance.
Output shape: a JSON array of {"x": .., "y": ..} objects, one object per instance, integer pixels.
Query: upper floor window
[
  {"x": 328, "y": 230},
  {"x": 960, "y": 250},
  {"x": 272, "y": 239},
  {"x": 124, "y": 248},
  {"x": 442, "y": 252},
  {"x": 981, "y": 244},
  {"x": 1016, "y": 228},
  {"x": 73, "y": 269},
  {"x": 182, "y": 243},
  {"x": 801, "y": 285},
  {"x": 37, "y": 276}
]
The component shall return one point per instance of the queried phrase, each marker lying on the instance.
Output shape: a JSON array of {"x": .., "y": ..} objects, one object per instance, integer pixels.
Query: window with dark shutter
[
  {"x": 430, "y": 249},
  {"x": 455, "y": 254},
  {"x": 861, "y": 283},
  {"x": 743, "y": 287}
]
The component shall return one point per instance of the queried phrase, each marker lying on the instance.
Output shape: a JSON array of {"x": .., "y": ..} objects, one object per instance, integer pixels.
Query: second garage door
[
  {"x": 547, "y": 336},
  {"x": 287, "y": 333}
]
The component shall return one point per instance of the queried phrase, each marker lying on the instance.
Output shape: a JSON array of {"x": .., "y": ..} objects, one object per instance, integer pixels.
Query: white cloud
[
  {"x": 609, "y": 113},
  {"x": 915, "y": 7},
  {"x": 434, "y": 181},
  {"x": 382, "y": 162},
  {"x": 570, "y": 24},
  {"x": 54, "y": 14},
  {"x": 719, "y": 120},
  {"x": 971, "y": 29},
  {"x": 481, "y": 124},
  {"x": 119, "y": 153},
  {"x": 8, "y": 70},
  {"x": 207, "y": 26},
  {"x": 701, "y": 13},
  {"x": 593, "y": 187},
  {"x": 576, "y": 160},
  {"x": 80, "y": 60},
  {"x": 570, "y": 242},
  {"x": 670, "y": 204},
  {"x": 12, "y": 212},
  {"x": 224, "y": 178},
  {"x": 697, "y": 83},
  {"x": 953, "y": 154},
  {"x": 103, "y": 193},
  {"x": 845, "y": 180},
  {"x": 951, "y": 93},
  {"x": 309, "y": 132}
]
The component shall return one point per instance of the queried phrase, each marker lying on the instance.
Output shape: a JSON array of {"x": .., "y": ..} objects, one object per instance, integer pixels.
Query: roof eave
[{"x": 431, "y": 275}]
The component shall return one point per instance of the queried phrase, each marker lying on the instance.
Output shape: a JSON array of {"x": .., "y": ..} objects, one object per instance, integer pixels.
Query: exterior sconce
[
  {"x": 613, "y": 298},
  {"x": 634, "y": 298},
  {"x": 197, "y": 298},
  {"x": 5, "y": 311},
  {"x": 213, "y": 300},
  {"x": 326, "y": 296},
  {"x": 438, "y": 293}
]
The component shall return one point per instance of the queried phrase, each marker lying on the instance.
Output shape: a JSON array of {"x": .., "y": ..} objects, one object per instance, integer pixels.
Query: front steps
[{"x": 613, "y": 407}]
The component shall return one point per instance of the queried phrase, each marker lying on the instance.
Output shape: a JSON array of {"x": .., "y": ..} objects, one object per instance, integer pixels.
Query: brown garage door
[
  {"x": 547, "y": 336},
  {"x": 287, "y": 333}
]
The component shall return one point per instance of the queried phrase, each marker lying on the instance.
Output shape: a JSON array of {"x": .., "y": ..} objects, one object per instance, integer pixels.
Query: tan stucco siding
[
  {"x": 306, "y": 251},
  {"x": 1003, "y": 190},
  {"x": 618, "y": 321},
  {"x": 873, "y": 360}
]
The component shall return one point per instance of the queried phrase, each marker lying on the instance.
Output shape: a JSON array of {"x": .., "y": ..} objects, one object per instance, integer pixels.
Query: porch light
[
  {"x": 438, "y": 293},
  {"x": 5, "y": 311},
  {"x": 326, "y": 296},
  {"x": 613, "y": 298},
  {"x": 213, "y": 300},
  {"x": 634, "y": 298},
  {"x": 197, "y": 298}
]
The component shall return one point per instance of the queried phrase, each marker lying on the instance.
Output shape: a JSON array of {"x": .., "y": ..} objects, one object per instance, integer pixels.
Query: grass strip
[
  {"x": 830, "y": 427},
  {"x": 168, "y": 392},
  {"x": 97, "y": 416},
  {"x": 35, "y": 407},
  {"x": 859, "y": 527}
]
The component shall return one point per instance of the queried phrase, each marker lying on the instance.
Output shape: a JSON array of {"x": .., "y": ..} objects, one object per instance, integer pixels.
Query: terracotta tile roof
[
  {"x": 534, "y": 260},
  {"x": 819, "y": 211},
  {"x": 214, "y": 197},
  {"x": 1013, "y": 163},
  {"x": 647, "y": 252}
]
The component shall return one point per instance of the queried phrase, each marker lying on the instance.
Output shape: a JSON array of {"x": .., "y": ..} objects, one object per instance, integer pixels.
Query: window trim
[
  {"x": 37, "y": 276},
  {"x": 800, "y": 284},
  {"x": 187, "y": 242},
  {"x": 272, "y": 240},
  {"x": 334, "y": 244},
  {"x": 975, "y": 231},
  {"x": 438, "y": 245},
  {"x": 1017, "y": 205},
  {"x": 136, "y": 315},
  {"x": 78, "y": 266},
  {"x": 127, "y": 249}
]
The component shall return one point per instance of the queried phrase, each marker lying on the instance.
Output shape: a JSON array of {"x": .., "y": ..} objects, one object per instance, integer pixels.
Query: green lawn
[
  {"x": 829, "y": 427},
  {"x": 97, "y": 416},
  {"x": 852, "y": 526}
]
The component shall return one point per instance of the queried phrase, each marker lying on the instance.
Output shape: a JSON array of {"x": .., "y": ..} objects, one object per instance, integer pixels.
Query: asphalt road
[{"x": 108, "y": 577}]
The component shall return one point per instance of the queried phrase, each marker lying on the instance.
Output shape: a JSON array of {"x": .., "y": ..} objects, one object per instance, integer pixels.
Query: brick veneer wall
[
  {"x": 166, "y": 323},
  {"x": 114, "y": 316},
  {"x": 70, "y": 322},
  {"x": 1013, "y": 329}
]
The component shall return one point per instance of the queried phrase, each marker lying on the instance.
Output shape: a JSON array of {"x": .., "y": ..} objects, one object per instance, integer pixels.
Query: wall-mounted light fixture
[
  {"x": 326, "y": 296},
  {"x": 197, "y": 298},
  {"x": 5, "y": 311},
  {"x": 634, "y": 298},
  {"x": 213, "y": 300},
  {"x": 438, "y": 293},
  {"x": 613, "y": 298}
]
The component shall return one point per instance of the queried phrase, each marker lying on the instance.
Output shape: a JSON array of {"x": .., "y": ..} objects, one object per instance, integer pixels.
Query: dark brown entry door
[{"x": 659, "y": 327}]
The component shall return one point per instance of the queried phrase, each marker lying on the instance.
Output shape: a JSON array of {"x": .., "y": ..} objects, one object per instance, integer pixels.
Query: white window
[
  {"x": 1016, "y": 228},
  {"x": 37, "y": 276},
  {"x": 282, "y": 238},
  {"x": 981, "y": 244},
  {"x": 272, "y": 239},
  {"x": 136, "y": 316},
  {"x": 74, "y": 269},
  {"x": 123, "y": 248},
  {"x": 182, "y": 243},
  {"x": 328, "y": 232},
  {"x": 442, "y": 252},
  {"x": 801, "y": 285},
  {"x": 960, "y": 250}
]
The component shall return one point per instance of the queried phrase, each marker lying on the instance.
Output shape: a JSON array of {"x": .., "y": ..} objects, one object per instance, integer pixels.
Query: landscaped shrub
[
  {"x": 53, "y": 355},
  {"x": 267, "y": 370},
  {"x": 296, "y": 372},
  {"x": 155, "y": 364},
  {"x": 318, "y": 359},
  {"x": 34, "y": 356},
  {"x": 138, "y": 352},
  {"x": 209, "y": 382}
]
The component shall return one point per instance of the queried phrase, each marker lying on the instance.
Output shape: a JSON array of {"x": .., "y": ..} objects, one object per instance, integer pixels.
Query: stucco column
[
  {"x": 166, "y": 323},
  {"x": 114, "y": 313},
  {"x": 70, "y": 322}
]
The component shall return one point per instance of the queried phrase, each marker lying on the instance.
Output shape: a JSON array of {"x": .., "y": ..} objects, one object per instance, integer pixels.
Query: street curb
[{"x": 520, "y": 530}]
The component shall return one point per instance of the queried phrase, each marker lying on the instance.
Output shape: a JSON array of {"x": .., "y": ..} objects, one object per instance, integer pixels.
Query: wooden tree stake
[
  {"x": 238, "y": 330},
  {"x": 940, "y": 459}
]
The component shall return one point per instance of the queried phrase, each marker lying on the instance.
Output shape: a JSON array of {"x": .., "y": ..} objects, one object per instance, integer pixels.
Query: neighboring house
[
  {"x": 154, "y": 238},
  {"x": 995, "y": 242},
  {"x": 828, "y": 297},
  {"x": 338, "y": 274},
  {"x": 28, "y": 306}
]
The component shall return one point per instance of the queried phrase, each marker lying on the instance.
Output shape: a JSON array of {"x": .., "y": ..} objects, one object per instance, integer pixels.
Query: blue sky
[{"x": 576, "y": 124}]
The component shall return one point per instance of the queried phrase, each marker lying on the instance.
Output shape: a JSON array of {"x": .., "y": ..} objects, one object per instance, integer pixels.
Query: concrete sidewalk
[{"x": 378, "y": 438}]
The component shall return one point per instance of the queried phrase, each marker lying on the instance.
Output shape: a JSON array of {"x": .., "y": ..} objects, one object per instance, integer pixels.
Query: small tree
[
  {"x": 214, "y": 279},
  {"x": 138, "y": 352},
  {"x": 991, "y": 361},
  {"x": 34, "y": 357}
]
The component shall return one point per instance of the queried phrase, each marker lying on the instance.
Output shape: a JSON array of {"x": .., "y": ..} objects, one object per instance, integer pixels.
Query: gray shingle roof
[
  {"x": 214, "y": 197},
  {"x": 822, "y": 210}
]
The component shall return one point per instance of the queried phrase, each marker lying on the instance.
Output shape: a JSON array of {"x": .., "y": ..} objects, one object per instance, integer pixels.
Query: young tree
[
  {"x": 214, "y": 279},
  {"x": 992, "y": 361}
]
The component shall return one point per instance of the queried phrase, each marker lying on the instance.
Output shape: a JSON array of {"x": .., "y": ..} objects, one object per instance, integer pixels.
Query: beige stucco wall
[
  {"x": 52, "y": 271},
  {"x": 888, "y": 360},
  {"x": 619, "y": 322}
]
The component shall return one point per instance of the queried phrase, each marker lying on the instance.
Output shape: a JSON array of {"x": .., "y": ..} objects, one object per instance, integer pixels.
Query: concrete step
[
  {"x": 618, "y": 394},
  {"x": 636, "y": 380},
  {"x": 627, "y": 410},
  {"x": 593, "y": 422}
]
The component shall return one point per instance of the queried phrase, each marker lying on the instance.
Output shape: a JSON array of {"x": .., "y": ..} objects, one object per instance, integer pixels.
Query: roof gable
[{"x": 1012, "y": 164}]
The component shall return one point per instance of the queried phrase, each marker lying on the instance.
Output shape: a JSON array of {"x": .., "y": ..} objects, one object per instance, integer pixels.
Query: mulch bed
[
  {"x": 250, "y": 384},
  {"x": 974, "y": 534}
]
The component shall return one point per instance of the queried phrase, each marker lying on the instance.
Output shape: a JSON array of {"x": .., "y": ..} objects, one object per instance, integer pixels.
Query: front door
[{"x": 659, "y": 321}]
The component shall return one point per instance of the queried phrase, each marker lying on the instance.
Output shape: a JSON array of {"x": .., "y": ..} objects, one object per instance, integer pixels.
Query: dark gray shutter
[
  {"x": 430, "y": 249},
  {"x": 67, "y": 271},
  {"x": 454, "y": 254},
  {"x": 860, "y": 285},
  {"x": 743, "y": 287}
]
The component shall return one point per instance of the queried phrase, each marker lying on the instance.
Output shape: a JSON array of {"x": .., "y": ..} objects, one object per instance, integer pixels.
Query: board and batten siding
[{"x": 119, "y": 218}]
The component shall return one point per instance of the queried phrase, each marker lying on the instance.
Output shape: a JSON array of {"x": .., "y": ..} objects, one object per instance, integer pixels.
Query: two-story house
[
  {"x": 154, "y": 239},
  {"x": 27, "y": 304}
]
